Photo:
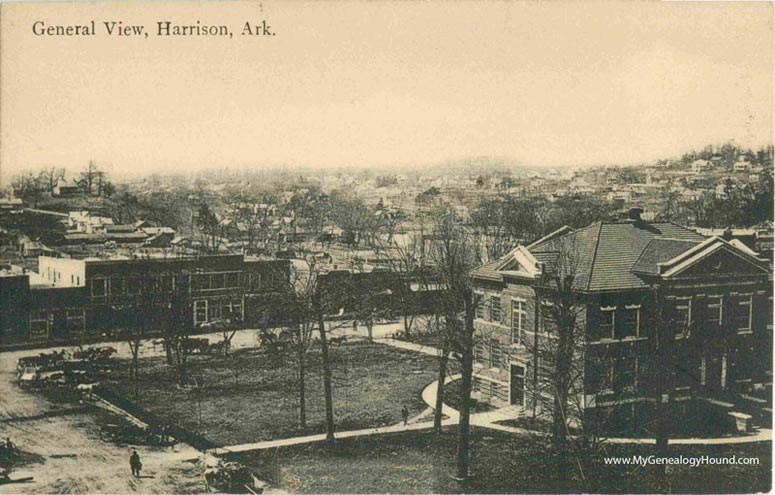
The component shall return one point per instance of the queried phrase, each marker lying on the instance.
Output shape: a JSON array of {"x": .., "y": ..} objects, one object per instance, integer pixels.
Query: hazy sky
[{"x": 380, "y": 83}]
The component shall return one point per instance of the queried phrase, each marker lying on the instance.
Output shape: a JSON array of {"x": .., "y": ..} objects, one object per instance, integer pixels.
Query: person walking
[
  {"x": 405, "y": 413},
  {"x": 135, "y": 464}
]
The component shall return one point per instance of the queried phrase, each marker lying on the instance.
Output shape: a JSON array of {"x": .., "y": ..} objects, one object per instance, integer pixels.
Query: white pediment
[
  {"x": 720, "y": 256},
  {"x": 520, "y": 262}
]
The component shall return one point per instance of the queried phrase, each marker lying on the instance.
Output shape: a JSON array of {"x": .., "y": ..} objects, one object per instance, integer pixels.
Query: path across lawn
[{"x": 485, "y": 420}]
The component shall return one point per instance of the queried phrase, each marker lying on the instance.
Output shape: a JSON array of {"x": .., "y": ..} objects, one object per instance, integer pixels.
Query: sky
[{"x": 384, "y": 83}]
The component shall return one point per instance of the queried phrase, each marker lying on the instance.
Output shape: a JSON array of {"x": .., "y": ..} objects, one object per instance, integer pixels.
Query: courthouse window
[
  {"x": 742, "y": 313},
  {"x": 631, "y": 323},
  {"x": 683, "y": 313},
  {"x": 548, "y": 323},
  {"x": 479, "y": 306},
  {"x": 607, "y": 322},
  {"x": 715, "y": 309},
  {"x": 518, "y": 320},
  {"x": 495, "y": 308},
  {"x": 624, "y": 374}
]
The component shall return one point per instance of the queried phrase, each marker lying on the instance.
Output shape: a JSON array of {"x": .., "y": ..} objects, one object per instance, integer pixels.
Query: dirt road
[{"x": 69, "y": 455}]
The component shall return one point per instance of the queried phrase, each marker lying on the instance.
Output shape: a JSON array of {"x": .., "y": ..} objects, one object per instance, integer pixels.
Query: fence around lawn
[{"x": 196, "y": 440}]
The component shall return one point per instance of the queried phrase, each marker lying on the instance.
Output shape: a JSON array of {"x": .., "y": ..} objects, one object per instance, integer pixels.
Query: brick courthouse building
[{"x": 716, "y": 295}]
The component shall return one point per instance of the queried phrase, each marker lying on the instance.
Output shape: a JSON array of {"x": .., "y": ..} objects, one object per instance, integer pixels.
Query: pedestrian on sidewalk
[
  {"x": 135, "y": 464},
  {"x": 405, "y": 414}
]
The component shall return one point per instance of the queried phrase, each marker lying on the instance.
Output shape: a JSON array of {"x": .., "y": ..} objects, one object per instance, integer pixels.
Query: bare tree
[
  {"x": 177, "y": 328},
  {"x": 29, "y": 187},
  {"x": 307, "y": 301},
  {"x": 99, "y": 180},
  {"x": 89, "y": 177},
  {"x": 454, "y": 255},
  {"x": 409, "y": 271},
  {"x": 354, "y": 219},
  {"x": 489, "y": 221},
  {"x": 51, "y": 177},
  {"x": 559, "y": 345},
  {"x": 209, "y": 226},
  {"x": 294, "y": 308},
  {"x": 251, "y": 220},
  {"x": 672, "y": 340}
]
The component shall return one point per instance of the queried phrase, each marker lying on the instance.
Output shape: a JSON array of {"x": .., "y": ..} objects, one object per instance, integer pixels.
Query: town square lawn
[
  {"x": 252, "y": 396},
  {"x": 424, "y": 462}
]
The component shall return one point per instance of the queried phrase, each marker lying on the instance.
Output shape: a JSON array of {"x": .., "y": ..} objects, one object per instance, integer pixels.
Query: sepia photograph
[{"x": 386, "y": 247}]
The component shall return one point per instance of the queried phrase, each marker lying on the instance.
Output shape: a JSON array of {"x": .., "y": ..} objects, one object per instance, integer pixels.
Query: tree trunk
[
  {"x": 536, "y": 370},
  {"x": 562, "y": 369},
  {"x": 180, "y": 360},
  {"x": 562, "y": 384},
  {"x": 467, "y": 363},
  {"x": 662, "y": 408},
  {"x": 662, "y": 411},
  {"x": 168, "y": 352},
  {"x": 408, "y": 318},
  {"x": 465, "y": 417},
  {"x": 135, "y": 373},
  {"x": 438, "y": 414},
  {"x": 302, "y": 386},
  {"x": 326, "y": 380}
]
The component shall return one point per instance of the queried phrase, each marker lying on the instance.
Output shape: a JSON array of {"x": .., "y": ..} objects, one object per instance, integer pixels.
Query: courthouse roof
[
  {"x": 607, "y": 256},
  {"x": 660, "y": 250},
  {"x": 604, "y": 254}
]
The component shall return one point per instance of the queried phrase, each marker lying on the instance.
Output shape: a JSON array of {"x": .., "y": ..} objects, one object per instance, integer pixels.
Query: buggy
[{"x": 231, "y": 477}]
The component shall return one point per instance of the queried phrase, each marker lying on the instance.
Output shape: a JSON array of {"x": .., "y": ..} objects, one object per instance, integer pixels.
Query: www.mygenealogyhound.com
[{"x": 647, "y": 460}]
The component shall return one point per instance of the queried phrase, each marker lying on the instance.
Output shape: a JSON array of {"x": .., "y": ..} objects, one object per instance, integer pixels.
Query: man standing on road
[
  {"x": 135, "y": 464},
  {"x": 405, "y": 413}
]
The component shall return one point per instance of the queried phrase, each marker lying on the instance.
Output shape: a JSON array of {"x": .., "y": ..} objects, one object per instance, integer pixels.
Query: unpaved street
[
  {"x": 69, "y": 455},
  {"x": 71, "y": 458}
]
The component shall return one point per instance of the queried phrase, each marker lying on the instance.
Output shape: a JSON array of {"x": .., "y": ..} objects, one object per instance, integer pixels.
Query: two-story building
[
  {"x": 97, "y": 295},
  {"x": 629, "y": 277}
]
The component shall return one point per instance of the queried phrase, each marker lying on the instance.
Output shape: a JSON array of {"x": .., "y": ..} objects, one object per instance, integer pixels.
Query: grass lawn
[
  {"x": 689, "y": 427},
  {"x": 542, "y": 425},
  {"x": 371, "y": 384},
  {"x": 421, "y": 462},
  {"x": 452, "y": 396},
  {"x": 421, "y": 337}
]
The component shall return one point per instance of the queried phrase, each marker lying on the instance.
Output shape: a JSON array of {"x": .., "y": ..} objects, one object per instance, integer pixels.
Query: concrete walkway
[
  {"x": 409, "y": 346},
  {"x": 489, "y": 419},
  {"x": 285, "y": 442},
  {"x": 485, "y": 420}
]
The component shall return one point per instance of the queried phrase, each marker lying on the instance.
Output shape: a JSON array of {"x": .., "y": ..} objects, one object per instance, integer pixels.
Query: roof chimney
[{"x": 634, "y": 213}]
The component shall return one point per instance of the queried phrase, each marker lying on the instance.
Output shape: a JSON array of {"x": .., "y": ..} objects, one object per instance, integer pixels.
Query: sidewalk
[
  {"x": 243, "y": 338},
  {"x": 400, "y": 344},
  {"x": 285, "y": 442},
  {"x": 490, "y": 419}
]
